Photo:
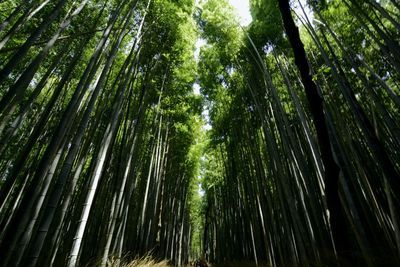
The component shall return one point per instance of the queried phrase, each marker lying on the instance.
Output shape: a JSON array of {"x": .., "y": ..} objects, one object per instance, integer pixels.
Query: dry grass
[
  {"x": 146, "y": 261},
  {"x": 149, "y": 261}
]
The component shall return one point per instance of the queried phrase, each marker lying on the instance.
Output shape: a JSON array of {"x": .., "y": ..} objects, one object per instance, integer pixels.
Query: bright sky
[{"x": 243, "y": 9}]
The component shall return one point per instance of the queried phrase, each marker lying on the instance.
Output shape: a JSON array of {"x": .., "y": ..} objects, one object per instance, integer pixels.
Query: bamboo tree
[
  {"x": 22, "y": 51},
  {"x": 337, "y": 219}
]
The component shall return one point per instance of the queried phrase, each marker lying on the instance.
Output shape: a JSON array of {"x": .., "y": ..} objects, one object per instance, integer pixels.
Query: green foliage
[
  {"x": 220, "y": 28},
  {"x": 261, "y": 30},
  {"x": 108, "y": 130}
]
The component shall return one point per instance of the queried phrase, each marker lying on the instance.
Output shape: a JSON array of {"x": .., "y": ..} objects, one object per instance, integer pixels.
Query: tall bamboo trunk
[{"x": 338, "y": 223}]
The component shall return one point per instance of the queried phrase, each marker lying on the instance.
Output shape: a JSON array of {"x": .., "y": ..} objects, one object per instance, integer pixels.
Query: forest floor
[
  {"x": 149, "y": 262},
  {"x": 238, "y": 264}
]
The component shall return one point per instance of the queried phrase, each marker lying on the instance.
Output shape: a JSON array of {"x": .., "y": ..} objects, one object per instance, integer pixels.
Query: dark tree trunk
[{"x": 337, "y": 218}]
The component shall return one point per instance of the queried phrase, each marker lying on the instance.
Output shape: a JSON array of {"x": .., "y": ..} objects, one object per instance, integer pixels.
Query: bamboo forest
[{"x": 170, "y": 133}]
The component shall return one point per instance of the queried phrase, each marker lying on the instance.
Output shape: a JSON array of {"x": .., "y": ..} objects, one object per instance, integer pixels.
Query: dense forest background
[{"x": 288, "y": 156}]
